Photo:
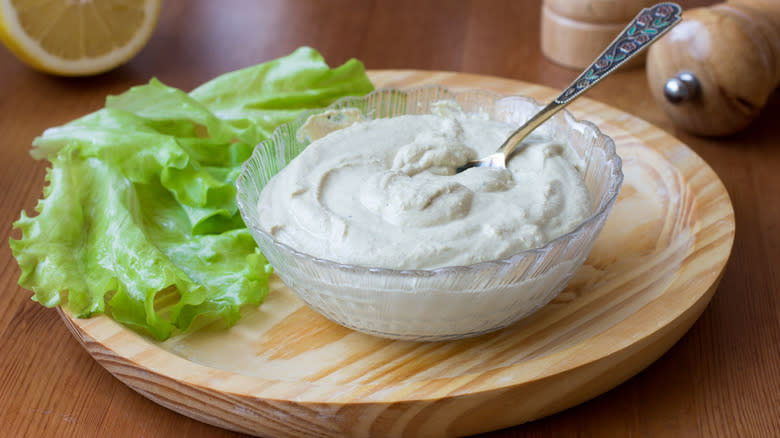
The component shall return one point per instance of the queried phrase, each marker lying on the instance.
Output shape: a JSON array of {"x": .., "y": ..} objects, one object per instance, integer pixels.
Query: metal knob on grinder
[
  {"x": 714, "y": 72},
  {"x": 685, "y": 86}
]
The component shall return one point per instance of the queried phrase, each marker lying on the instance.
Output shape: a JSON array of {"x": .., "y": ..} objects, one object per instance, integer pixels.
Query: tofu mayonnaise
[{"x": 384, "y": 192}]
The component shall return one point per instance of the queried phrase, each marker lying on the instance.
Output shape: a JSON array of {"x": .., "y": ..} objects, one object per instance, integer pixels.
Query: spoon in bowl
[{"x": 640, "y": 33}]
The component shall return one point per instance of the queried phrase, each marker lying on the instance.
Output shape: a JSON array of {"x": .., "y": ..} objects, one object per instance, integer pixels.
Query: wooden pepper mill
[
  {"x": 575, "y": 32},
  {"x": 714, "y": 72}
]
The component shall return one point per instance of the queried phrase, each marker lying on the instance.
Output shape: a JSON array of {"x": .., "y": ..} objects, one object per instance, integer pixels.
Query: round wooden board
[{"x": 285, "y": 371}]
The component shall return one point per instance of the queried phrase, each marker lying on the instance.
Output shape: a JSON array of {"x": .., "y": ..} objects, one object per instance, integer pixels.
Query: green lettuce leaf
[{"x": 139, "y": 218}]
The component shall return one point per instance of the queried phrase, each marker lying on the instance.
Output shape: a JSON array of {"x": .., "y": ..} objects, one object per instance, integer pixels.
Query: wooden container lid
[{"x": 574, "y": 33}]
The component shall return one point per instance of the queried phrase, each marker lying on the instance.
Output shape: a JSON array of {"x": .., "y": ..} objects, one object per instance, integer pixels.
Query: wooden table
[{"x": 721, "y": 379}]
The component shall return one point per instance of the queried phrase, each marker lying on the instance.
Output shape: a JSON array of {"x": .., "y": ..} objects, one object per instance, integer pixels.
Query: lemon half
[{"x": 77, "y": 37}]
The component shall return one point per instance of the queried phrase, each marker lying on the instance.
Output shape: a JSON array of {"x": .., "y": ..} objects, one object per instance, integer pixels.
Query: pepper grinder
[
  {"x": 574, "y": 32},
  {"x": 714, "y": 72}
]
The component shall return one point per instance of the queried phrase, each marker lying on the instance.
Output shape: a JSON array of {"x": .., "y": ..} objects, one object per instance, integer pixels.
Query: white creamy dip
[{"x": 384, "y": 193}]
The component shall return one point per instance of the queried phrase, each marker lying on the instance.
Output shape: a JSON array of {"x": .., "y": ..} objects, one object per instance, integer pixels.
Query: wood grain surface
[
  {"x": 722, "y": 379},
  {"x": 284, "y": 370}
]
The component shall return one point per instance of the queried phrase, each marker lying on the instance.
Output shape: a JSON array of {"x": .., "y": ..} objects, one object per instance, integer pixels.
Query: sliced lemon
[{"x": 77, "y": 37}]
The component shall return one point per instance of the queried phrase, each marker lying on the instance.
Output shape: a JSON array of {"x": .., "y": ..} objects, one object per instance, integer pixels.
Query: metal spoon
[{"x": 640, "y": 33}]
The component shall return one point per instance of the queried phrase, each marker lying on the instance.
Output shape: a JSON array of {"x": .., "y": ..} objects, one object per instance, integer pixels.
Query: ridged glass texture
[{"x": 443, "y": 303}]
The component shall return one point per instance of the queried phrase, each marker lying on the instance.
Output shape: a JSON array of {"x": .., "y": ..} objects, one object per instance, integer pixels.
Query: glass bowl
[{"x": 449, "y": 302}]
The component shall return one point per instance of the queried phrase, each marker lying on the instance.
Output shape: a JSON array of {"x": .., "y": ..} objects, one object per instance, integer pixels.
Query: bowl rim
[{"x": 616, "y": 182}]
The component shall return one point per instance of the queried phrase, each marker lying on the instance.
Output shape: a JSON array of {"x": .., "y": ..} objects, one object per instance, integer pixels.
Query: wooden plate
[{"x": 283, "y": 370}]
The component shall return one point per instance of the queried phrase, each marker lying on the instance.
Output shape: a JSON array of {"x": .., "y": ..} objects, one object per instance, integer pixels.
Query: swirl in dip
[{"x": 384, "y": 193}]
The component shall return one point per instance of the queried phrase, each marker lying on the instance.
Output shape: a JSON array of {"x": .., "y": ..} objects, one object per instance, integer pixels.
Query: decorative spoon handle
[{"x": 642, "y": 31}]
